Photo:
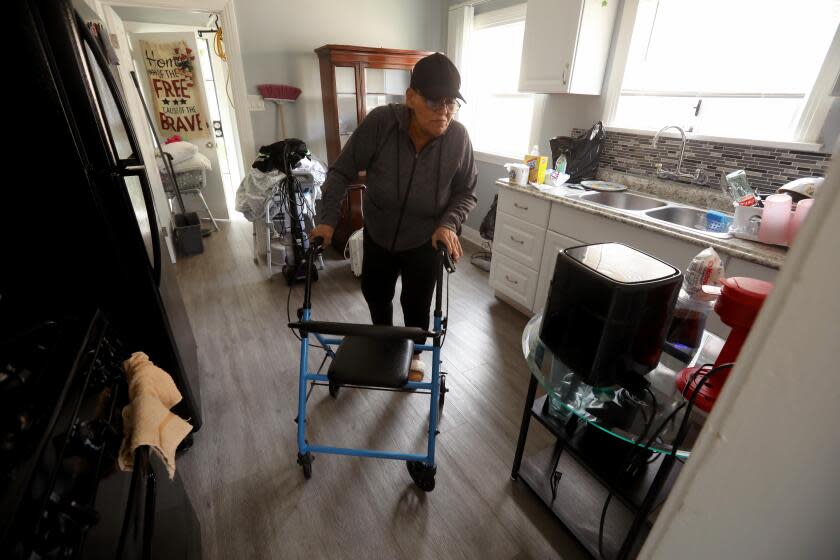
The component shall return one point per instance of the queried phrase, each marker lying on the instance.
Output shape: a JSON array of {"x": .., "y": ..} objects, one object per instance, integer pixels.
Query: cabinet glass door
[
  {"x": 345, "y": 88},
  {"x": 384, "y": 86}
]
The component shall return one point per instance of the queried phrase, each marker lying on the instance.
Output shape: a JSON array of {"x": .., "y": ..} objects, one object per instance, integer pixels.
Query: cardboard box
[{"x": 537, "y": 165}]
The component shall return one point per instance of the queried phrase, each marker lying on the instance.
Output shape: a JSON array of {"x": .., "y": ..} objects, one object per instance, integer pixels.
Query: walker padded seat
[{"x": 374, "y": 362}]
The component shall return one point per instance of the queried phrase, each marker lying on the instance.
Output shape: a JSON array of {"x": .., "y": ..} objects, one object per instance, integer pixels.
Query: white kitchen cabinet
[
  {"x": 566, "y": 45},
  {"x": 740, "y": 267},
  {"x": 512, "y": 280},
  {"x": 554, "y": 243},
  {"x": 519, "y": 240},
  {"x": 591, "y": 228},
  {"x": 530, "y": 230}
]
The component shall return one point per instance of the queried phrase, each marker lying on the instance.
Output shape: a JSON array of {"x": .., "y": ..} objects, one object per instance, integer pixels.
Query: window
[
  {"x": 497, "y": 116},
  {"x": 719, "y": 67}
]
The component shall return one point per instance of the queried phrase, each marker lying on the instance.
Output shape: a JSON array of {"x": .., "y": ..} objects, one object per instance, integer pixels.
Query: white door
[
  {"x": 195, "y": 126},
  {"x": 216, "y": 82}
]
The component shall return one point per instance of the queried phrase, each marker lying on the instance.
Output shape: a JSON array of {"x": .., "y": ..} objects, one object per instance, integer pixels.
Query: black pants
[{"x": 380, "y": 270}]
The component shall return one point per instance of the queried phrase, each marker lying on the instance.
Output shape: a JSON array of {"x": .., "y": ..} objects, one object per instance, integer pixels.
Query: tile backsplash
[{"x": 767, "y": 168}]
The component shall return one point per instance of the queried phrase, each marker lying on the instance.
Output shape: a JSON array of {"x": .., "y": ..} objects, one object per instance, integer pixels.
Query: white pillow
[
  {"x": 180, "y": 151},
  {"x": 196, "y": 162}
]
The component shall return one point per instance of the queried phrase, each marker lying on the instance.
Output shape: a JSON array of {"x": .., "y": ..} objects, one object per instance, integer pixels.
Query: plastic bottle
[
  {"x": 739, "y": 188},
  {"x": 535, "y": 150},
  {"x": 693, "y": 304},
  {"x": 560, "y": 164}
]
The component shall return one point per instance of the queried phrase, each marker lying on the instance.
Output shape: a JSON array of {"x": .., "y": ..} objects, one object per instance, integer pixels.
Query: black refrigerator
[{"x": 78, "y": 223}]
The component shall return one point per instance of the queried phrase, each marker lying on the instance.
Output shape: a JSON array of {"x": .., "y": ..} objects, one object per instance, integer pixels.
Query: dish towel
[{"x": 147, "y": 419}]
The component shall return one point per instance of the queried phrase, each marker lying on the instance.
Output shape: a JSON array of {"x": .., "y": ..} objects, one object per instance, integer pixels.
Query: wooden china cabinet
[{"x": 356, "y": 80}]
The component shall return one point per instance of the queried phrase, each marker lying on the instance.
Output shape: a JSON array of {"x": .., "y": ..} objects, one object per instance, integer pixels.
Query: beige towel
[{"x": 147, "y": 419}]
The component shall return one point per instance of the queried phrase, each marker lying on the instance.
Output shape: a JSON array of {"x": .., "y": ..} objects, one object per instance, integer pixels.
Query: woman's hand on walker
[
  {"x": 324, "y": 231},
  {"x": 450, "y": 239}
]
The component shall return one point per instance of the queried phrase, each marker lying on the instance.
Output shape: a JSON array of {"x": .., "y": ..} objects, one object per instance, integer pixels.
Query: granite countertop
[{"x": 759, "y": 253}]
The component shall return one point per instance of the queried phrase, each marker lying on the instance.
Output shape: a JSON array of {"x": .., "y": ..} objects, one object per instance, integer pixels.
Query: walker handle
[
  {"x": 316, "y": 245},
  {"x": 447, "y": 260}
]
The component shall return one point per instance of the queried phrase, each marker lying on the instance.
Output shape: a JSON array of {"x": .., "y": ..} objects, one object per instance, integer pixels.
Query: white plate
[{"x": 603, "y": 186}]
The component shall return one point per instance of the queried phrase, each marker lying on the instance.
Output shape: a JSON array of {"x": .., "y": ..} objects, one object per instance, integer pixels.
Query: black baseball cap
[{"x": 436, "y": 77}]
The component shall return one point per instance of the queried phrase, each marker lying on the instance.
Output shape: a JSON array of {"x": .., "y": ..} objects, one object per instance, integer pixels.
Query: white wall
[
  {"x": 278, "y": 40},
  {"x": 556, "y": 115}
]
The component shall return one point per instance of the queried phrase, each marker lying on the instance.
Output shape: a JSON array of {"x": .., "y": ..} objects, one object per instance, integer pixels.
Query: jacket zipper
[{"x": 405, "y": 200}]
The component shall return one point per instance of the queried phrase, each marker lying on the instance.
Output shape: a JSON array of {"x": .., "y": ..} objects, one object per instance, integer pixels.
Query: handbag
[
  {"x": 354, "y": 250},
  {"x": 350, "y": 217},
  {"x": 582, "y": 153}
]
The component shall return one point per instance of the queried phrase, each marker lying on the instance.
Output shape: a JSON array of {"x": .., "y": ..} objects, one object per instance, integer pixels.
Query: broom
[{"x": 279, "y": 94}]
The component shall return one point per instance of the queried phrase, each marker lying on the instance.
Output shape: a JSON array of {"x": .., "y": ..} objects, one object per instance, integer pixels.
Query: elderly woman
[{"x": 420, "y": 182}]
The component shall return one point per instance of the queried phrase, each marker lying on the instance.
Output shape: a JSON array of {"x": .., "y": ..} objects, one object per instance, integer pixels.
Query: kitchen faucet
[{"x": 697, "y": 177}]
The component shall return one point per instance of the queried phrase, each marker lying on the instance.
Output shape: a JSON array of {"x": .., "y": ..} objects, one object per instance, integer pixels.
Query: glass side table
[{"x": 613, "y": 463}]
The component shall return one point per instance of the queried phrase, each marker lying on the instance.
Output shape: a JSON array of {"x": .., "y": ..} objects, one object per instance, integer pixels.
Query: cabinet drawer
[
  {"x": 518, "y": 240},
  {"x": 525, "y": 207},
  {"x": 513, "y": 280}
]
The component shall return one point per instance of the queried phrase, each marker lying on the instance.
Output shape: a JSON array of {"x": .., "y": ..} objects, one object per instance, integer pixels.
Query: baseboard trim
[{"x": 471, "y": 235}]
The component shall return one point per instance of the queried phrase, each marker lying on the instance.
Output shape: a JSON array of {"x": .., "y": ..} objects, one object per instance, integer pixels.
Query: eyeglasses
[{"x": 452, "y": 105}]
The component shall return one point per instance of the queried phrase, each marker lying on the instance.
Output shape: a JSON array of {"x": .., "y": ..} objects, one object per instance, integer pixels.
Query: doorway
[{"x": 134, "y": 26}]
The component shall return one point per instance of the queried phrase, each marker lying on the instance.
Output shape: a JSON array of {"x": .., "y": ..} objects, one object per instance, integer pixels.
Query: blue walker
[{"x": 372, "y": 357}]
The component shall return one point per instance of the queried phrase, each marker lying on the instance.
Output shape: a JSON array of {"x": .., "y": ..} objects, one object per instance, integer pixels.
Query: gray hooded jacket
[{"x": 408, "y": 194}]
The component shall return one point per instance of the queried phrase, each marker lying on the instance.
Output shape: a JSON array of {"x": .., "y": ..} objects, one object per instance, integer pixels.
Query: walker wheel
[
  {"x": 422, "y": 474},
  {"x": 334, "y": 389},
  {"x": 305, "y": 461}
]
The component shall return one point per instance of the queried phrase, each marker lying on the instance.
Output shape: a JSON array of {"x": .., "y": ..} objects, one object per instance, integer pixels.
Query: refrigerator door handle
[
  {"x": 132, "y": 166},
  {"x": 139, "y": 171}
]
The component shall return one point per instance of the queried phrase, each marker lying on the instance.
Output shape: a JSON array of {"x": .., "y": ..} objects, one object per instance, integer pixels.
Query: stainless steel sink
[
  {"x": 622, "y": 200},
  {"x": 689, "y": 218}
]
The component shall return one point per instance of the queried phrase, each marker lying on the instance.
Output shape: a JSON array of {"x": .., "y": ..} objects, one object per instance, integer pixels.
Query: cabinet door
[
  {"x": 593, "y": 47},
  {"x": 548, "y": 49},
  {"x": 384, "y": 86},
  {"x": 566, "y": 46},
  {"x": 591, "y": 228},
  {"x": 345, "y": 92},
  {"x": 554, "y": 243}
]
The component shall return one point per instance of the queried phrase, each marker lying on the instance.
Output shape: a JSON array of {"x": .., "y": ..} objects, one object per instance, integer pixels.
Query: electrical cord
[
  {"x": 648, "y": 423},
  {"x": 674, "y": 412},
  {"x": 696, "y": 391},
  {"x": 681, "y": 432},
  {"x": 694, "y": 376},
  {"x": 688, "y": 406},
  {"x": 219, "y": 50},
  {"x": 485, "y": 253},
  {"x": 631, "y": 459}
]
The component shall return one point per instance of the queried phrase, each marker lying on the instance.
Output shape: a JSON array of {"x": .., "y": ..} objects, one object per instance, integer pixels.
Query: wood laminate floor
[{"x": 248, "y": 491}]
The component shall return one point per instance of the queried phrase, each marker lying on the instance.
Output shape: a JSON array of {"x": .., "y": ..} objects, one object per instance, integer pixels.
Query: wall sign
[{"x": 175, "y": 88}]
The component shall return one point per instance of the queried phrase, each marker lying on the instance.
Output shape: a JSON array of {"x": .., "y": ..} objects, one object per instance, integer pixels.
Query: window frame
[
  {"x": 805, "y": 135},
  {"x": 492, "y": 18}
]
